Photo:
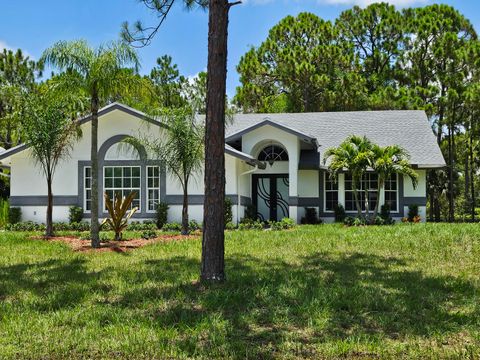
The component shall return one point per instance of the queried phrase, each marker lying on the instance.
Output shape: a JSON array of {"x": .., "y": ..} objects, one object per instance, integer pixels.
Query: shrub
[
  {"x": 359, "y": 221},
  {"x": 230, "y": 226},
  {"x": 119, "y": 213},
  {"x": 248, "y": 224},
  {"x": 26, "y": 226},
  {"x": 85, "y": 235},
  {"x": 385, "y": 214},
  {"x": 139, "y": 226},
  {"x": 340, "y": 213},
  {"x": 227, "y": 210},
  {"x": 149, "y": 234},
  {"x": 284, "y": 224},
  {"x": 4, "y": 210},
  {"x": 349, "y": 221},
  {"x": 162, "y": 214},
  {"x": 250, "y": 213},
  {"x": 379, "y": 221},
  {"x": 412, "y": 212},
  {"x": 14, "y": 215},
  {"x": 310, "y": 217},
  {"x": 194, "y": 225},
  {"x": 75, "y": 214},
  {"x": 172, "y": 227}
]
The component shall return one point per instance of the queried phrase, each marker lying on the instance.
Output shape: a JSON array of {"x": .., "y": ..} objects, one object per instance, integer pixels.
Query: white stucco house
[{"x": 273, "y": 161}]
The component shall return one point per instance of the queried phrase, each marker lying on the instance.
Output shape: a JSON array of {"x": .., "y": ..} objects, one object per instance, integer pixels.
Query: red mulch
[{"x": 113, "y": 246}]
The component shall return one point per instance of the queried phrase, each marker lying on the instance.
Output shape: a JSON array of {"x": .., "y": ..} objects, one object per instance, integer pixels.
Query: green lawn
[{"x": 408, "y": 291}]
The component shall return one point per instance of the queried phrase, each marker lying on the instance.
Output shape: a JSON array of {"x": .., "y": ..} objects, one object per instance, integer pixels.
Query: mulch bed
[{"x": 113, "y": 246}]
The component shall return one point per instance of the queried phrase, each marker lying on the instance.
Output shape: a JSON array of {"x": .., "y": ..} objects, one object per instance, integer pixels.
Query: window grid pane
[
  {"x": 87, "y": 192},
  {"x": 331, "y": 193},
  {"x": 368, "y": 184},
  {"x": 153, "y": 187},
  {"x": 122, "y": 180}
]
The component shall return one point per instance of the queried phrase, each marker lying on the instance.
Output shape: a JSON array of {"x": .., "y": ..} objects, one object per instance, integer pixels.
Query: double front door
[{"x": 270, "y": 196}]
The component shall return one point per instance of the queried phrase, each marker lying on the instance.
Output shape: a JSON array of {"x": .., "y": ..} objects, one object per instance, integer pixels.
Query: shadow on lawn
[
  {"x": 55, "y": 283},
  {"x": 264, "y": 303},
  {"x": 318, "y": 299}
]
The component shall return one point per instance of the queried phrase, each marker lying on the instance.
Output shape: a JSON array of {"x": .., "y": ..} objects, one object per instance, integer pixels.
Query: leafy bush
[
  {"x": 349, "y": 221},
  {"x": 379, "y": 221},
  {"x": 85, "y": 235},
  {"x": 359, "y": 221},
  {"x": 284, "y": 224},
  {"x": 412, "y": 212},
  {"x": 4, "y": 210},
  {"x": 194, "y": 225},
  {"x": 162, "y": 214},
  {"x": 250, "y": 213},
  {"x": 248, "y": 224},
  {"x": 385, "y": 215},
  {"x": 227, "y": 210},
  {"x": 75, "y": 214},
  {"x": 149, "y": 234},
  {"x": 14, "y": 215},
  {"x": 26, "y": 226},
  {"x": 80, "y": 226},
  {"x": 172, "y": 227},
  {"x": 139, "y": 226},
  {"x": 230, "y": 226},
  {"x": 311, "y": 217},
  {"x": 119, "y": 213},
  {"x": 340, "y": 214}
]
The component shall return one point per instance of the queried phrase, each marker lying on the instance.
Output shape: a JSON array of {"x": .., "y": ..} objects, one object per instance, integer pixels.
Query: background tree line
[{"x": 380, "y": 58}]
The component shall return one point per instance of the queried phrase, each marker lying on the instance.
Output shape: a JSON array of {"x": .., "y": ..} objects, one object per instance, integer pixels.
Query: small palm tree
[
  {"x": 50, "y": 131},
  {"x": 180, "y": 149},
  {"x": 353, "y": 155},
  {"x": 99, "y": 73},
  {"x": 388, "y": 161}
]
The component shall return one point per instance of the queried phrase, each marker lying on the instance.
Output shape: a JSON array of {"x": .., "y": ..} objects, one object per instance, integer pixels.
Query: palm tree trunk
[
  {"x": 375, "y": 211},
  {"x": 49, "y": 219},
  {"x": 213, "y": 241},
  {"x": 185, "y": 229},
  {"x": 94, "y": 227},
  {"x": 355, "y": 196}
]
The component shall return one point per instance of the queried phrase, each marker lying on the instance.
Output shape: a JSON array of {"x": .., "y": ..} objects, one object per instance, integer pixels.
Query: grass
[{"x": 406, "y": 291}]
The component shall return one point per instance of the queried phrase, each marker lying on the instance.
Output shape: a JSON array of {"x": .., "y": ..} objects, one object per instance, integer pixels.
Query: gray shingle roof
[{"x": 407, "y": 128}]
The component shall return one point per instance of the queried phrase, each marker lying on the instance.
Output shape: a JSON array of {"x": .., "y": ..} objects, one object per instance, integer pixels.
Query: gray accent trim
[
  {"x": 304, "y": 201},
  {"x": 13, "y": 151},
  {"x": 245, "y": 157},
  {"x": 197, "y": 199},
  {"x": 117, "y": 139},
  {"x": 309, "y": 160},
  {"x": 267, "y": 121},
  {"x": 418, "y": 200},
  {"x": 41, "y": 200},
  {"x": 117, "y": 106}
]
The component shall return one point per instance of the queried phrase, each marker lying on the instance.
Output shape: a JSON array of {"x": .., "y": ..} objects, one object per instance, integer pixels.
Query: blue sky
[{"x": 34, "y": 25}]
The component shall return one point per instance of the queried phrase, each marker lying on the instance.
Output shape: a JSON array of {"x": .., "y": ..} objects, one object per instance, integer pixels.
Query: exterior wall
[
  {"x": 306, "y": 189},
  {"x": 29, "y": 190},
  {"x": 254, "y": 141}
]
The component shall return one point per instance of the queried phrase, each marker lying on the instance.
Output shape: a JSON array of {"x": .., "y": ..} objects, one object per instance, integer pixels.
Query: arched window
[{"x": 272, "y": 153}]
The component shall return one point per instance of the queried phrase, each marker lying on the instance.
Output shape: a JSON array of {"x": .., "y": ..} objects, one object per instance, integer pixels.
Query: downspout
[{"x": 238, "y": 190}]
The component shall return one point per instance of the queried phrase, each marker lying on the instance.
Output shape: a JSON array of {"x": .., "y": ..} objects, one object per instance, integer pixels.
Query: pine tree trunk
[
  {"x": 472, "y": 178},
  {"x": 185, "y": 229},
  {"x": 451, "y": 142},
  {"x": 94, "y": 226},
  {"x": 213, "y": 242},
  {"x": 49, "y": 219}
]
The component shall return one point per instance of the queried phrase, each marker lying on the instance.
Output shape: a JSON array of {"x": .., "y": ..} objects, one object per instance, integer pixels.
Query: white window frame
[
  {"x": 147, "y": 188},
  {"x": 85, "y": 188},
  {"x": 325, "y": 174},
  {"x": 122, "y": 188},
  {"x": 397, "y": 195}
]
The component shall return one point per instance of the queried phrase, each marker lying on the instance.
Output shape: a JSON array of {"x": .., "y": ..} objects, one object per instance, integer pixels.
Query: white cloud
[
  {"x": 4, "y": 45},
  {"x": 399, "y": 3}
]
